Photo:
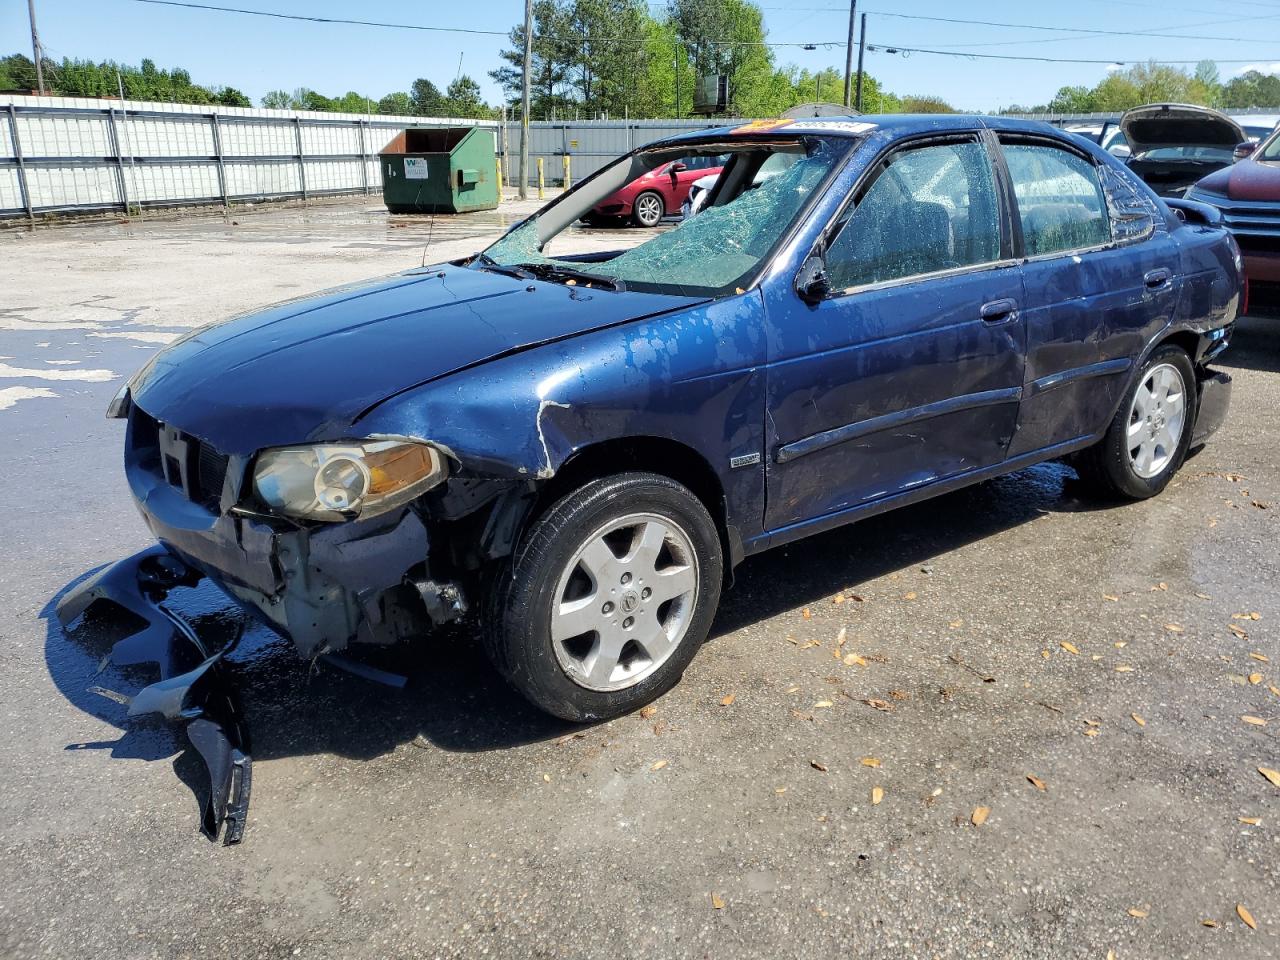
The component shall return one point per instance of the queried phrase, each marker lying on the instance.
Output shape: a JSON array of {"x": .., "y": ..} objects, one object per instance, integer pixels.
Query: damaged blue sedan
[{"x": 575, "y": 446}]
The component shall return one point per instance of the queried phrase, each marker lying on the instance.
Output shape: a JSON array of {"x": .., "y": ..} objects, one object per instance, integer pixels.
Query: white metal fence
[{"x": 61, "y": 155}]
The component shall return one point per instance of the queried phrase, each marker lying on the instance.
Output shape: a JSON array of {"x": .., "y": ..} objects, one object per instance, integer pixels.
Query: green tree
[
  {"x": 427, "y": 100},
  {"x": 549, "y": 73},
  {"x": 1073, "y": 100},
  {"x": 231, "y": 97},
  {"x": 463, "y": 99},
  {"x": 925, "y": 104},
  {"x": 277, "y": 100},
  {"x": 398, "y": 104}
]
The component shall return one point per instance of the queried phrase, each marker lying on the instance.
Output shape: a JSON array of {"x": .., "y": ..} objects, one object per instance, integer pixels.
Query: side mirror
[
  {"x": 812, "y": 283},
  {"x": 678, "y": 166},
  {"x": 1120, "y": 151},
  {"x": 1243, "y": 150}
]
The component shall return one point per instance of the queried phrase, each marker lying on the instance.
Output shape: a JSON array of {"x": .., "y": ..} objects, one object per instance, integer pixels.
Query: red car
[
  {"x": 661, "y": 191},
  {"x": 1248, "y": 194}
]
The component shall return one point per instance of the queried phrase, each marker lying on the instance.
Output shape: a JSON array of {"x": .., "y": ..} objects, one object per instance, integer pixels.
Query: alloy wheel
[
  {"x": 1156, "y": 420},
  {"x": 648, "y": 209},
  {"x": 624, "y": 602}
]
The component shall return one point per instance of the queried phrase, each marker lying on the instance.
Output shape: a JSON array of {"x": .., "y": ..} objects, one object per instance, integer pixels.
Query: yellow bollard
[
  {"x": 540, "y": 179},
  {"x": 568, "y": 177},
  {"x": 497, "y": 163}
]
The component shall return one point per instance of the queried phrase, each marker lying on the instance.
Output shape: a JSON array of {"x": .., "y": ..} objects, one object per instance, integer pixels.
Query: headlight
[
  {"x": 118, "y": 408},
  {"x": 340, "y": 481}
]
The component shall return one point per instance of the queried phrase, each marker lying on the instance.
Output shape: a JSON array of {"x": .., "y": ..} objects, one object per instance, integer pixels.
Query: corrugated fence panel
[
  {"x": 6, "y": 141},
  {"x": 263, "y": 179},
  {"x": 84, "y": 185},
  {"x": 258, "y": 139},
  {"x": 143, "y": 137},
  {"x": 64, "y": 136},
  {"x": 332, "y": 176},
  {"x": 172, "y": 182},
  {"x": 329, "y": 139},
  {"x": 10, "y": 191}
]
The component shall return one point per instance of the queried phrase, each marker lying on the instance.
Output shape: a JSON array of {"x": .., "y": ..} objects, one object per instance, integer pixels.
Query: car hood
[
  {"x": 1247, "y": 179},
  {"x": 308, "y": 369},
  {"x": 1178, "y": 125}
]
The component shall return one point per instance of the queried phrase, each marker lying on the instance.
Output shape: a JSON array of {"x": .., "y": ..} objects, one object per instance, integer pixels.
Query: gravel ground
[{"x": 777, "y": 803}]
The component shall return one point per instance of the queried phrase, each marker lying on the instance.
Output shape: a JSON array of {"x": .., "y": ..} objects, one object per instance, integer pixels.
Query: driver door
[{"x": 910, "y": 371}]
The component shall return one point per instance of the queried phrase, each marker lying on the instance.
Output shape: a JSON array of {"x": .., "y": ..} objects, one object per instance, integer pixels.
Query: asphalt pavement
[{"x": 1032, "y": 741}]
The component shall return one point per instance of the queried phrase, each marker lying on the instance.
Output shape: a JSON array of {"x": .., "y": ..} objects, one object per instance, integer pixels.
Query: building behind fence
[{"x": 66, "y": 155}]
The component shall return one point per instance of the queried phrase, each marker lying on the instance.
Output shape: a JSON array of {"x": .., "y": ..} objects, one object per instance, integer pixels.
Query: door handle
[
  {"x": 999, "y": 311},
  {"x": 1155, "y": 279}
]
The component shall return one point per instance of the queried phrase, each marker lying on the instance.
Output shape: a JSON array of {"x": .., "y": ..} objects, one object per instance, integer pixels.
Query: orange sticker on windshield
[{"x": 761, "y": 126}]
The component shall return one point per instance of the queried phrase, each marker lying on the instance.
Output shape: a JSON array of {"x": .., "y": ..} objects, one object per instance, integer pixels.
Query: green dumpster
[{"x": 440, "y": 170}]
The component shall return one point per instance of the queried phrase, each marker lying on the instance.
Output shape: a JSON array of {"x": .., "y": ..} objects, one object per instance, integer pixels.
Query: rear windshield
[{"x": 715, "y": 248}]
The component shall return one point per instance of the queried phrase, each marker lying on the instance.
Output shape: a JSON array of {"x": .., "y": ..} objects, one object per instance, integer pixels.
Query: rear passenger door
[
  {"x": 1100, "y": 277},
  {"x": 909, "y": 372}
]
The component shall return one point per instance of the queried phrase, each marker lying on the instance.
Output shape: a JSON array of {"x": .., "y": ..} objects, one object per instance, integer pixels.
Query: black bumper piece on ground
[
  {"x": 1215, "y": 399},
  {"x": 192, "y": 687}
]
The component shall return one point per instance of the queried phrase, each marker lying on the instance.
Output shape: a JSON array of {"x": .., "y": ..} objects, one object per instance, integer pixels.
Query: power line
[
  {"x": 1106, "y": 33},
  {"x": 313, "y": 19}
]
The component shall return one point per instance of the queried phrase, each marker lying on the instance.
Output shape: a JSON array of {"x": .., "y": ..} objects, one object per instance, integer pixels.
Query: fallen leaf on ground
[
  {"x": 1124, "y": 668},
  {"x": 1161, "y": 586},
  {"x": 1252, "y": 615},
  {"x": 792, "y": 690},
  {"x": 1251, "y": 821},
  {"x": 956, "y": 624},
  {"x": 842, "y": 636},
  {"x": 1275, "y": 690},
  {"x": 780, "y": 790},
  {"x": 648, "y": 711},
  {"x": 878, "y": 704},
  {"x": 806, "y": 613},
  {"x": 1135, "y": 912},
  {"x": 1256, "y": 721},
  {"x": 898, "y": 695},
  {"x": 852, "y": 659},
  {"x": 1174, "y": 627},
  {"x": 1238, "y": 631},
  {"x": 727, "y": 699},
  {"x": 1091, "y": 723},
  {"x": 821, "y": 704},
  {"x": 1246, "y": 917},
  {"x": 1260, "y": 657},
  {"x": 1254, "y": 678},
  {"x": 838, "y": 598},
  {"x": 717, "y": 901},
  {"x": 820, "y": 767},
  {"x": 546, "y": 778},
  {"x": 658, "y": 765},
  {"x": 1138, "y": 720},
  {"x": 1204, "y": 596},
  {"x": 1208, "y": 923},
  {"x": 909, "y": 595},
  {"x": 1272, "y": 775},
  {"x": 1091, "y": 732},
  {"x": 979, "y": 816},
  {"x": 1070, "y": 647},
  {"x": 877, "y": 794},
  {"x": 1036, "y": 782},
  {"x": 1111, "y": 597},
  {"x": 1120, "y": 644}
]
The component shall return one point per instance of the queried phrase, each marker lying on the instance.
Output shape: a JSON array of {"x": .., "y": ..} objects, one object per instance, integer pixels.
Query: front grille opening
[{"x": 181, "y": 460}]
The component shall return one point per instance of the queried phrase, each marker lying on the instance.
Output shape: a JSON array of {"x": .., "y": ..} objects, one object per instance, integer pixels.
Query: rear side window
[
  {"x": 931, "y": 208},
  {"x": 1060, "y": 200}
]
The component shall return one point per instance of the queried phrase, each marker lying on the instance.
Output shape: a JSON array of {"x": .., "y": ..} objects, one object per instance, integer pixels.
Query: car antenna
[{"x": 431, "y": 226}]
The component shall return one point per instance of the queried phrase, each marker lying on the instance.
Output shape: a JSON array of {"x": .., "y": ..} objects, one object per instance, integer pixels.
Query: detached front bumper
[
  {"x": 1215, "y": 399},
  {"x": 191, "y": 687}
]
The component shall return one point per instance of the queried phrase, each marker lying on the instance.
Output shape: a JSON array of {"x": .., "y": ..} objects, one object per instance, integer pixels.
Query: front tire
[
  {"x": 648, "y": 209},
  {"x": 1148, "y": 439},
  {"x": 608, "y": 598}
]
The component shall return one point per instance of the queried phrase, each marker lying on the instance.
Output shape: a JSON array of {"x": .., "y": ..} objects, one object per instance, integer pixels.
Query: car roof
[{"x": 893, "y": 124}]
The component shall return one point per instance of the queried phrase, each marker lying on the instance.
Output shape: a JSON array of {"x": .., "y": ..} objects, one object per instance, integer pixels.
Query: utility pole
[
  {"x": 862, "y": 48},
  {"x": 36, "y": 50},
  {"x": 848, "y": 56},
  {"x": 524, "y": 101},
  {"x": 675, "y": 66}
]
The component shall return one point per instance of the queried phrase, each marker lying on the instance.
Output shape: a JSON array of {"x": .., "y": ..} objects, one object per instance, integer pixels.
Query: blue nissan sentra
[{"x": 575, "y": 446}]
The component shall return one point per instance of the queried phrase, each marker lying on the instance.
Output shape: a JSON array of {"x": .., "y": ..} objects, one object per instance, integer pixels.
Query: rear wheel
[
  {"x": 648, "y": 209},
  {"x": 1148, "y": 439},
  {"x": 609, "y": 597}
]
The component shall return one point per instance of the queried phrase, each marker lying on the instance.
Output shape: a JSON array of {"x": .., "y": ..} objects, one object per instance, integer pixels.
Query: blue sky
[{"x": 257, "y": 54}]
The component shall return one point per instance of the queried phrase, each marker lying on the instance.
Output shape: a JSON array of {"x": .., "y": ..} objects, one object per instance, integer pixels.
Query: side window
[
  {"x": 1060, "y": 200},
  {"x": 1134, "y": 214},
  {"x": 931, "y": 208}
]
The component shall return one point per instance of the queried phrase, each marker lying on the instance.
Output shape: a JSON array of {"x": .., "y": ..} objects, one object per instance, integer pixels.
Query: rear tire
[
  {"x": 648, "y": 209},
  {"x": 608, "y": 597},
  {"x": 1147, "y": 440}
]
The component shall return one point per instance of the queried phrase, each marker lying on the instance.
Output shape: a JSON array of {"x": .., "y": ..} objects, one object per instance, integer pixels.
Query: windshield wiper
[
  {"x": 553, "y": 271},
  {"x": 493, "y": 266}
]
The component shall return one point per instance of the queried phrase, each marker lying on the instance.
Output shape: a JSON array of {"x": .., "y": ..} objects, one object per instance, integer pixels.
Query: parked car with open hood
[
  {"x": 1248, "y": 195},
  {"x": 1172, "y": 145},
  {"x": 576, "y": 446}
]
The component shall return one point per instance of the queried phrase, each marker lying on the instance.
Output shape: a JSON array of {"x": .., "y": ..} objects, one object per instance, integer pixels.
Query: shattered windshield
[{"x": 760, "y": 190}]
